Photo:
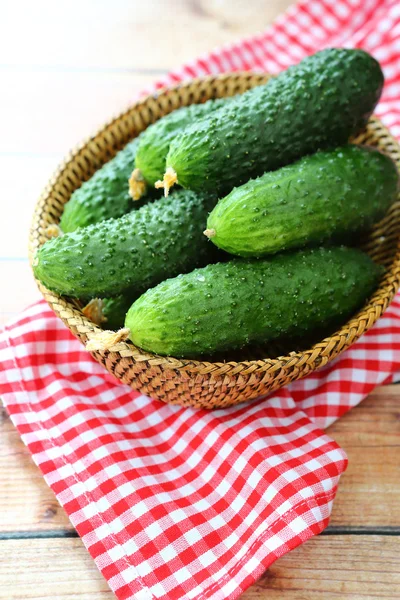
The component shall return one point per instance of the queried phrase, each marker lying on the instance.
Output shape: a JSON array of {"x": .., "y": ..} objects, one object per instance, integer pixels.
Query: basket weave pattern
[{"x": 201, "y": 383}]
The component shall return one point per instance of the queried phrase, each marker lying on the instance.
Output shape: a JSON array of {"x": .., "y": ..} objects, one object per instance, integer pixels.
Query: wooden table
[{"x": 66, "y": 68}]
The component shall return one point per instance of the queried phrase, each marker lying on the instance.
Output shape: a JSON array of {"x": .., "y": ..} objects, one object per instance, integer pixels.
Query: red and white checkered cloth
[{"x": 176, "y": 503}]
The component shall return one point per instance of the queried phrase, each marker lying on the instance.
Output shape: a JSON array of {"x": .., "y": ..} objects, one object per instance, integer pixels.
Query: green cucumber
[
  {"x": 316, "y": 104},
  {"x": 109, "y": 313},
  {"x": 105, "y": 195},
  {"x": 134, "y": 252},
  {"x": 114, "y": 310},
  {"x": 229, "y": 305},
  {"x": 328, "y": 196},
  {"x": 155, "y": 141}
]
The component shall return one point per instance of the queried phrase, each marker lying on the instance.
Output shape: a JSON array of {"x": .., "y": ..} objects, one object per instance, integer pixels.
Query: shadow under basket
[{"x": 201, "y": 383}]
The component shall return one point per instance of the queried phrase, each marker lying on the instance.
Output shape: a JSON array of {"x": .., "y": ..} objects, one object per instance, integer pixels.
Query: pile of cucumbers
[{"x": 253, "y": 241}]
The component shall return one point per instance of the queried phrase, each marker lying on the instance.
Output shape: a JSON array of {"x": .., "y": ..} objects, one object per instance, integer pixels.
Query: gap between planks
[{"x": 71, "y": 533}]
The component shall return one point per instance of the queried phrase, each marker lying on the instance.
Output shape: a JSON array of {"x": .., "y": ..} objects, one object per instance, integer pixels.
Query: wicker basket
[{"x": 200, "y": 383}]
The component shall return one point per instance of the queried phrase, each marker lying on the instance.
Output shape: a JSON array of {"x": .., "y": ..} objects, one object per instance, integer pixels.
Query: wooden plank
[
  {"x": 26, "y": 502},
  {"x": 332, "y": 567},
  {"x": 19, "y": 288},
  {"x": 60, "y": 109},
  {"x": 49, "y": 569},
  {"x": 129, "y": 34},
  {"x": 328, "y": 567},
  {"x": 23, "y": 180},
  {"x": 369, "y": 491},
  {"x": 368, "y": 496}
]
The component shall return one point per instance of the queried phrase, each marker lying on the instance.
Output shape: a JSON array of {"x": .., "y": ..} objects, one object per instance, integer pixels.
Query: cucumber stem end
[
  {"x": 210, "y": 233},
  {"x": 94, "y": 311},
  {"x": 169, "y": 179},
  {"x": 53, "y": 231},
  {"x": 137, "y": 185}
]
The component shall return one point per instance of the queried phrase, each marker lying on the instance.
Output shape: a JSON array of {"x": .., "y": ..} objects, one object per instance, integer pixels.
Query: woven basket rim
[{"x": 388, "y": 287}]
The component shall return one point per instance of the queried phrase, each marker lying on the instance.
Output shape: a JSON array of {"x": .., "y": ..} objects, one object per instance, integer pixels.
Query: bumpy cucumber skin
[
  {"x": 155, "y": 141},
  {"x": 105, "y": 195},
  {"x": 114, "y": 310},
  {"x": 329, "y": 195},
  {"x": 229, "y": 305},
  {"x": 134, "y": 252},
  {"x": 316, "y": 104}
]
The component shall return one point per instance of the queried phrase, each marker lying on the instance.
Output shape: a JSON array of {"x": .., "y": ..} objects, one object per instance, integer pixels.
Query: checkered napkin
[{"x": 177, "y": 503}]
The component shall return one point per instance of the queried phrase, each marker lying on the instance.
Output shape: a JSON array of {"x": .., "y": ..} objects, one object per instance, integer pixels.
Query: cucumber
[
  {"x": 229, "y": 305},
  {"x": 328, "y": 196},
  {"x": 114, "y": 310},
  {"x": 134, "y": 252},
  {"x": 105, "y": 195},
  {"x": 316, "y": 104},
  {"x": 154, "y": 142},
  {"x": 109, "y": 313}
]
